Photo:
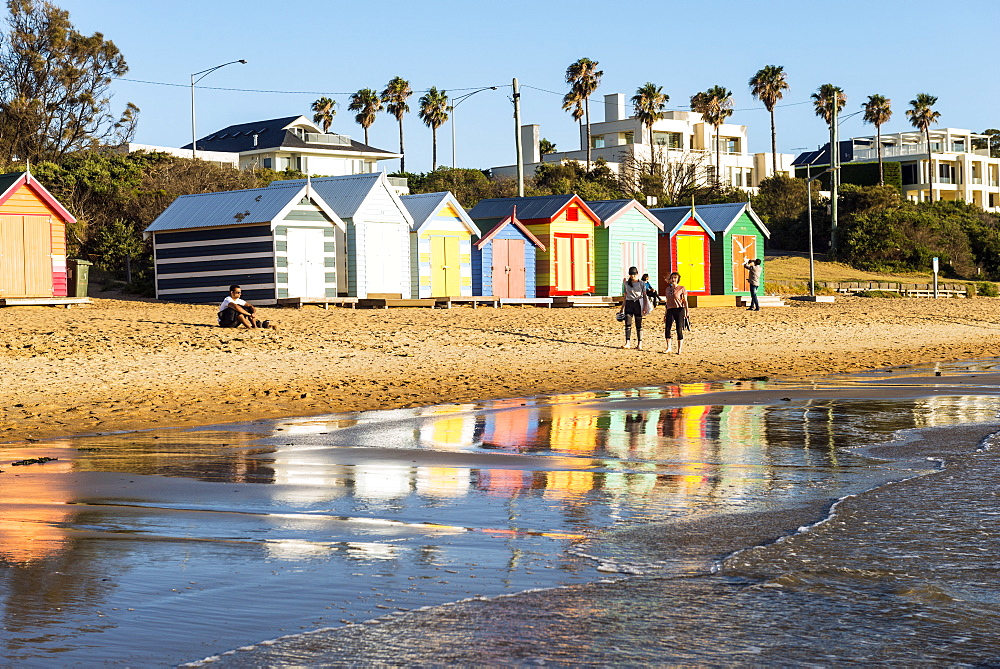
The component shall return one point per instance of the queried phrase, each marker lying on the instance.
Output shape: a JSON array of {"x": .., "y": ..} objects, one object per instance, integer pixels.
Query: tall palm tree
[
  {"x": 434, "y": 113},
  {"x": 769, "y": 86},
  {"x": 394, "y": 96},
  {"x": 367, "y": 103},
  {"x": 878, "y": 111},
  {"x": 649, "y": 103},
  {"x": 921, "y": 117},
  {"x": 584, "y": 77},
  {"x": 823, "y": 101},
  {"x": 573, "y": 103},
  {"x": 715, "y": 105},
  {"x": 324, "y": 110}
]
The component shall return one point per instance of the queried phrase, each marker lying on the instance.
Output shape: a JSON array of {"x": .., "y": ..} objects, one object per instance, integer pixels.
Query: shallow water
[{"x": 160, "y": 547}]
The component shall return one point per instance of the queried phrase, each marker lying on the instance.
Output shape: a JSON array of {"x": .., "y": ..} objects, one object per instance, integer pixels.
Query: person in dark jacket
[{"x": 753, "y": 278}]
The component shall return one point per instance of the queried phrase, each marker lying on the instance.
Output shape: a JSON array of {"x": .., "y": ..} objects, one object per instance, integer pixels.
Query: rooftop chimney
[
  {"x": 614, "y": 107},
  {"x": 529, "y": 142}
]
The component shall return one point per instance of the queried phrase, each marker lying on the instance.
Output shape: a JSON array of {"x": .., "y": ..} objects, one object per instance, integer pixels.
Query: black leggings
[
  {"x": 676, "y": 316},
  {"x": 633, "y": 310}
]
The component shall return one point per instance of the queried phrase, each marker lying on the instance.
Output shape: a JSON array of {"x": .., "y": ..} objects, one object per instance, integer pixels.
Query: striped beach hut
[
  {"x": 503, "y": 260},
  {"x": 739, "y": 236},
  {"x": 32, "y": 239},
  {"x": 276, "y": 242},
  {"x": 565, "y": 225},
  {"x": 440, "y": 246},
  {"x": 686, "y": 248},
  {"x": 627, "y": 237},
  {"x": 378, "y": 232}
]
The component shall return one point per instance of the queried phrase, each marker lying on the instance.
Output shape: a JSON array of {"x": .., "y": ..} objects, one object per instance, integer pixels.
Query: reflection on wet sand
[{"x": 495, "y": 497}]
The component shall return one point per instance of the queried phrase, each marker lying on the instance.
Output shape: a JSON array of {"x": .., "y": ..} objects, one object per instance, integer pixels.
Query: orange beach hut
[{"x": 32, "y": 239}]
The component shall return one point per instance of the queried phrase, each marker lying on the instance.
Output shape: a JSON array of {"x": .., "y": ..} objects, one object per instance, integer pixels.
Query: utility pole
[
  {"x": 834, "y": 174},
  {"x": 517, "y": 139}
]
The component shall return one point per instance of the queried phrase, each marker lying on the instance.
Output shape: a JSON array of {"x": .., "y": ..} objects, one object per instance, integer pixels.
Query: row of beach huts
[{"x": 353, "y": 240}]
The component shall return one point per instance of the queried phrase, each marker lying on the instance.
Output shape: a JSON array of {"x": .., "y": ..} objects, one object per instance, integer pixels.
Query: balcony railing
[
  {"x": 335, "y": 140},
  {"x": 914, "y": 150},
  {"x": 977, "y": 180}
]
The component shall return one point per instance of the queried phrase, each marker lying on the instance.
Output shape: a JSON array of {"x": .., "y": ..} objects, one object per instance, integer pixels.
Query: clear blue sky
[{"x": 329, "y": 47}]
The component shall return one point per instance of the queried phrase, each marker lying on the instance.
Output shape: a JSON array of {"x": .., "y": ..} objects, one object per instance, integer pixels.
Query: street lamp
[
  {"x": 809, "y": 180},
  {"x": 203, "y": 73},
  {"x": 457, "y": 101}
]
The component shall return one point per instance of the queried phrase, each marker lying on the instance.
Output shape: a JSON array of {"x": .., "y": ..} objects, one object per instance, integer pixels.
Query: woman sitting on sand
[{"x": 676, "y": 300}]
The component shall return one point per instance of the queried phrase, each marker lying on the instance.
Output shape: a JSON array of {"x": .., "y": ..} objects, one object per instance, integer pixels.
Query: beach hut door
[
  {"x": 306, "y": 273},
  {"x": 691, "y": 261},
  {"x": 572, "y": 256},
  {"x": 445, "y": 267},
  {"x": 508, "y": 268},
  {"x": 744, "y": 248},
  {"x": 25, "y": 256}
]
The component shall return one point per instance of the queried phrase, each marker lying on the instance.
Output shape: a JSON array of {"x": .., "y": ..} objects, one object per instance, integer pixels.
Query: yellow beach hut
[{"x": 440, "y": 246}]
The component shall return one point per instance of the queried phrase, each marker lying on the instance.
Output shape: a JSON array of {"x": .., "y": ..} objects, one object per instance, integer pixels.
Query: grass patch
[{"x": 876, "y": 293}]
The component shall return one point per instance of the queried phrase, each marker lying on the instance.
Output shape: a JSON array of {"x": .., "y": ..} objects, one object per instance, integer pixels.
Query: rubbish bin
[{"x": 78, "y": 276}]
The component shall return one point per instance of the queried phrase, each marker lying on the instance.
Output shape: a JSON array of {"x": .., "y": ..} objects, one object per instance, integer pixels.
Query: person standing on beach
[
  {"x": 753, "y": 278},
  {"x": 675, "y": 298},
  {"x": 633, "y": 291}
]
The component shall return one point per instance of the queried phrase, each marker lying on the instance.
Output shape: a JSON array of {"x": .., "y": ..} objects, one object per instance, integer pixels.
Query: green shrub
[
  {"x": 987, "y": 289},
  {"x": 877, "y": 293}
]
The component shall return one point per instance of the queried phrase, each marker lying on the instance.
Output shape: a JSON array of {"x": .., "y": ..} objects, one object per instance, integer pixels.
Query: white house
[{"x": 679, "y": 136}]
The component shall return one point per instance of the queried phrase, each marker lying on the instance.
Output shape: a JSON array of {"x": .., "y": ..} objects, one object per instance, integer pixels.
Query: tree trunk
[
  {"x": 774, "y": 146},
  {"x": 366, "y": 137},
  {"x": 878, "y": 148},
  {"x": 402, "y": 155},
  {"x": 718, "y": 159},
  {"x": 434, "y": 149},
  {"x": 586, "y": 109}
]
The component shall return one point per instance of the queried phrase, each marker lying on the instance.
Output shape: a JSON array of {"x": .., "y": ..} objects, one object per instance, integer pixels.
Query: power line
[{"x": 257, "y": 90}]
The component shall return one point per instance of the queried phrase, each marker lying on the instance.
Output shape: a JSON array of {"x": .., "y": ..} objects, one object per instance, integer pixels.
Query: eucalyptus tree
[
  {"x": 649, "y": 103},
  {"x": 584, "y": 78},
  {"x": 367, "y": 103},
  {"x": 715, "y": 105},
  {"x": 769, "y": 86},
  {"x": 434, "y": 112},
  {"x": 878, "y": 112},
  {"x": 324, "y": 110},
  {"x": 921, "y": 117},
  {"x": 396, "y": 92}
]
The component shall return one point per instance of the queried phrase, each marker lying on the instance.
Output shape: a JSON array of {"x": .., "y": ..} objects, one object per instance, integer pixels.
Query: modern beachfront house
[
  {"x": 440, "y": 246},
  {"x": 32, "y": 239},
  {"x": 627, "y": 237},
  {"x": 276, "y": 242},
  {"x": 564, "y": 225}
]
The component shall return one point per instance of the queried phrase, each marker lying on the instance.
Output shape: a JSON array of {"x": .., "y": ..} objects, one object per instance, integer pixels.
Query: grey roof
[
  {"x": 528, "y": 208},
  {"x": 607, "y": 209},
  {"x": 345, "y": 195},
  {"x": 671, "y": 217},
  {"x": 718, "y": 217},
  {"x": 271, "y": 134},
  {"x": 423, "y": 205},
  {"x": 235, "y": 207}
]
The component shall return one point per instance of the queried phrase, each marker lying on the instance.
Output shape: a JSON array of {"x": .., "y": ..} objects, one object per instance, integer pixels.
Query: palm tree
[
  {"x": 649, "y": 103},
  {"x": 573, "y": 103},
  {"x": 584, "y": 78},
  {"x": 769, "y": 86},
  {"x": 394, "y": 96},
  {"x": 878, "y": 111},
  {"x": 367, "y": 103},
  {"x": 715, "y": 105},
  {"x": 434, "y": 113},
  {"x": 324, "y": 110},
  {"x": 921, "y": 117}
]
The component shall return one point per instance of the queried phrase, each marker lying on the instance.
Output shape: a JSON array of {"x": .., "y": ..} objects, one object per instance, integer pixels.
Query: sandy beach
[{"x": 124, "y": 365}]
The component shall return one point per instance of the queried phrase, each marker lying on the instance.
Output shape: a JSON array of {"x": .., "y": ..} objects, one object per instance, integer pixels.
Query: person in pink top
[{"x": 675, "y": 299}]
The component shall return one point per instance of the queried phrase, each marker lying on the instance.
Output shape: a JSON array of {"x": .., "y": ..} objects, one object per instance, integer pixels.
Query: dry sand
[{"x": 122, "y": 365}]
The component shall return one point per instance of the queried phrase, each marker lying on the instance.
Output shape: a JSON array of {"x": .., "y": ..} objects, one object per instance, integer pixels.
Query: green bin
[{"x": 78, "y": 276}]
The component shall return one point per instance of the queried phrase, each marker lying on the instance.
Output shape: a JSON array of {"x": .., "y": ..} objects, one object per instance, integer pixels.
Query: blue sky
[{"x": 889, "y": 47}]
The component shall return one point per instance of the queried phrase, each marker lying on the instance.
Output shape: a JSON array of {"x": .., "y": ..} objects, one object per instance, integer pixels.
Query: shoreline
[{"x": 133, "y": 365}]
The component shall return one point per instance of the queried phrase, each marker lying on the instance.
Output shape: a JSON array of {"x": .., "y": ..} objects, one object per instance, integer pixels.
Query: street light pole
[
  {"x": 459, "y": 100},
  {"x": 812, "y": 268},
  {"x": 203, "y": 73}
]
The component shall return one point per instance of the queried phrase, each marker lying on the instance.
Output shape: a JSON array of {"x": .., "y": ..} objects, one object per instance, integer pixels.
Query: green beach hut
[
  {"x": 739, "y": 236},
  {"x": 626, "y": 237}
]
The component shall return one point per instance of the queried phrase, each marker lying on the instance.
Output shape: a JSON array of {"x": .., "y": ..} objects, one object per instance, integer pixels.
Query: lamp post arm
[
  {"x": 455, "y": 102},
  {"x": 194, "y": 80}
]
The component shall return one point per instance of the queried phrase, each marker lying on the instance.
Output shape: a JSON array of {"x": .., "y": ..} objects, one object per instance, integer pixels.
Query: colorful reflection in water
[{"x": 419, "y": 506}]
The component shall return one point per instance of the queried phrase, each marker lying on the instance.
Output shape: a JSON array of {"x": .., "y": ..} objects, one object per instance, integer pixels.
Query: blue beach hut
[{"x": 504, "y": 260}]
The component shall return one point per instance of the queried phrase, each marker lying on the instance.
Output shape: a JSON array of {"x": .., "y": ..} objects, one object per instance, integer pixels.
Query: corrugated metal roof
[
  {"x": 671, "y": 217},
  {"x": 605, "y": 209},
  {"x": 235, "y": 207},
  {"x": 345, "y": 195},
  {"x": 528, "y": 208},
  {"x": 423, "y": 206}
]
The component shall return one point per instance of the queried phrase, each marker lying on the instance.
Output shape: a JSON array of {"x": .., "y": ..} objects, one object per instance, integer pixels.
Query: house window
[
  {"x": 267, "y": 163},
  {"x": 909, "y": 174},
  {"x": 946, "y": 173},
  {"x": 597, "y": 142},
  {"x": 730, "y": 144},
  {"x": 630, "y": 137},
  {"x": 671, "y": 140},
  {"x": 572, "y": 214}
]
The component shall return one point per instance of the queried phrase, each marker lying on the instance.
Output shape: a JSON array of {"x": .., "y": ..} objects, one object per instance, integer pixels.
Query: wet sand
[{"x": 125, "y": 365}]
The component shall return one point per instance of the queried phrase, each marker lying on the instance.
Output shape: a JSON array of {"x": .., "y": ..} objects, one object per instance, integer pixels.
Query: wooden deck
[
  {"x": 564, "y": 301},
  {"x": 536, "y": 301},
  {"x": 325, "y": 302},
  {"x": 711, "y": 301},
  {"x": 386, "y": 302},
  {"x": 475, "y": 301},
  {"x": 66, "y": 302}
]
